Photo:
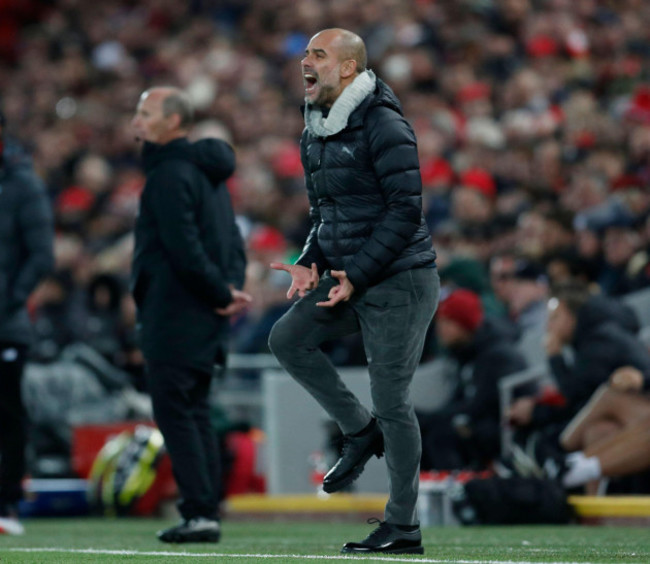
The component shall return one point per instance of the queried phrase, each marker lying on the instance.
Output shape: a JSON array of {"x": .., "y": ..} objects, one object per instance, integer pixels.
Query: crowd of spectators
[{"x": 532, "y": 117}]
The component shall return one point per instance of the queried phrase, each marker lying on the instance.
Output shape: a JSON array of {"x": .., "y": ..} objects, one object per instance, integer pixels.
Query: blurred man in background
[
  {"x": 188, "y": 263},
  {"x": 602, "y": 334},
  {"x": 26, "y": 255}
]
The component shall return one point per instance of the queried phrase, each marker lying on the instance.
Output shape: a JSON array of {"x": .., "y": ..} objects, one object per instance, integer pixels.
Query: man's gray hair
[{"x": 178, "y": 102}]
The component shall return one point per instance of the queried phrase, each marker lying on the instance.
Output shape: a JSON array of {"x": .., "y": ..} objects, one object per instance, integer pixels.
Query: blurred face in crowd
[
  {"x": 325, "y": 71},
  {"x": 555, "y": 236},
  {"x": 502, "y": 269},
  {"x": 559, "y": 271},
  {"x": 150, "y": 123},
  {"x": 450, "y": 333},
  {"x": 588, "y": 243},
  {"x": 619, "y": 245},
  {"x": 469, "y": 205},
  {"x": 530, "y": 233},
  {"x": 561, "y": 322},
  {"x": 523, "y": 293},
  {"x": 514, "y": 10}
]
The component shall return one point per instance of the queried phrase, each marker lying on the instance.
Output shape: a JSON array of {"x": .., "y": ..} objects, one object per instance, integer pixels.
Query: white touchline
[{"x": 272, "y": 556}]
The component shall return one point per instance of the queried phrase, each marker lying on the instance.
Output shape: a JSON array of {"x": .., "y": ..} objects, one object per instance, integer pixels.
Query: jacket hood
[
  {"x": 599, "y": 310},
  {"x": 214, "y": 157},
  {"x": 383, "y": 95}
]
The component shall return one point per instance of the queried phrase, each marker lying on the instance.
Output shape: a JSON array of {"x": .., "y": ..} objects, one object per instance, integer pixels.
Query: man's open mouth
[{"x": 310, "y": 82}]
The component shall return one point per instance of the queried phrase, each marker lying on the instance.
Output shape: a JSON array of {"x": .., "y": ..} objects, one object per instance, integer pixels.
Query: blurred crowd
[{"x": 532, "y": 117}]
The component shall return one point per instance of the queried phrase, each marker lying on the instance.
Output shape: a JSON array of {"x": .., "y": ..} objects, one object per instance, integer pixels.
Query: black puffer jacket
[
  {"x": 26, "y": 240},
  {"x": 365, "y": 194}
]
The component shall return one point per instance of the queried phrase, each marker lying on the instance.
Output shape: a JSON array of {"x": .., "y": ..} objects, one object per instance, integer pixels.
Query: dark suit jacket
[{"x": 188, "y": 250}]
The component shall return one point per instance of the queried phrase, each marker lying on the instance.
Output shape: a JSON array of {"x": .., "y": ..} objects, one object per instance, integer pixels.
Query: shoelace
[{"x": 380, "y": 532}]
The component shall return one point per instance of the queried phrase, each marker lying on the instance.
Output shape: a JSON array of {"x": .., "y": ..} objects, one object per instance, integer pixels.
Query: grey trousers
[{"x": 393, "y": 317}]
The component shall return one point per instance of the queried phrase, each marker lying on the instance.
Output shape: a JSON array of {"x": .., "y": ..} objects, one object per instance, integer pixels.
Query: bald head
[
  {"x": 174, "y": 101},
  {"x": 348, "y": 45},
  {"x": 164, "y": 113}
]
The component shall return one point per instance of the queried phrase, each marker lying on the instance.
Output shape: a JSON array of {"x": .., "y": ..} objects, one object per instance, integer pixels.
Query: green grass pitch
[{"x": 133, "y": 540}]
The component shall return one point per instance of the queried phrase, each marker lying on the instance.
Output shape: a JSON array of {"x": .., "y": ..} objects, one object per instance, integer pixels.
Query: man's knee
[
  {"x": 392, "y": 402},
  {"x": 279, "y": 339},
  {"x": 401, "y": 414}
]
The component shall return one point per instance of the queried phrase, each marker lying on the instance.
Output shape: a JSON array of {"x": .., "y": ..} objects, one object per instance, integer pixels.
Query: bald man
[
  {"x": 367, "y": 265},
  {"x": 188, "y": 264}
]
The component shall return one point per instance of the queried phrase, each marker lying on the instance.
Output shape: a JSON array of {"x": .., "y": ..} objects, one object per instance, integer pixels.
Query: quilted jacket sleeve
[{"x": 394, "y": 154}]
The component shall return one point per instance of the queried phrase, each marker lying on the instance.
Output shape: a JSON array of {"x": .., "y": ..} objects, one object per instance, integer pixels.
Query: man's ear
[
  {"x": 174, "y": 121},
  {"x": 348, "y": 68}
]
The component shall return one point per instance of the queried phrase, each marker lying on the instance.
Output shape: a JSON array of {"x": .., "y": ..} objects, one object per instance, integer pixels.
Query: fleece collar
[{"x": 345, "y": 104}]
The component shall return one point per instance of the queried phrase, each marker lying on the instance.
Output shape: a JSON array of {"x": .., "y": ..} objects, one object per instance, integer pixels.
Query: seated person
[
  {"x": 602, "y": 335},
  {"x": 465, "y": 433}
]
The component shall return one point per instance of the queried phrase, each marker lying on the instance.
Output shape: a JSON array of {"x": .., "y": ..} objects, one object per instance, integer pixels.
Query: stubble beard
[{"x": 326, "y": 97}]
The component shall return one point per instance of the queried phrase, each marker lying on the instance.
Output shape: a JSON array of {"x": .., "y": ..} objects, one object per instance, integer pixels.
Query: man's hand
[
  {"x": 303, "y": 279},
  {"x": 240, "y": 301},
  {"x": 340, "y": 293},
  {"x": 626, "y": 379},
  {"x": 520, "y": 413}
]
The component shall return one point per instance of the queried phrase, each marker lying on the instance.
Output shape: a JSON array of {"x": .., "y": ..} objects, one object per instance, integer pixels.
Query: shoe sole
[
  {"x": 205, "y": 536},
  {"x": 406, "y": 550},
  {"x": 352, "y": 475}
]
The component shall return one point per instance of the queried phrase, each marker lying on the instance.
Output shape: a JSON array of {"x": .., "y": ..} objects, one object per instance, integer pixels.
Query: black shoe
[
  {"x": 387, "y": 539},
  {"x": 357, "y": 450},
  {"x": 197, "y": 529}
]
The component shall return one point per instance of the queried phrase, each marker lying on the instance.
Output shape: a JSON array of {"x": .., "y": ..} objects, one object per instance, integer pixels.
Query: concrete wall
[{"x": 295, "y": 427}]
